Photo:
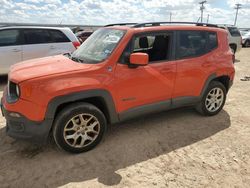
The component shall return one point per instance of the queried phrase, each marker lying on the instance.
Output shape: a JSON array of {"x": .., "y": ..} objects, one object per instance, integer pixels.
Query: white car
[
  {"x": 246, "y": 39},
  {"x": 234, "y": 37},
  {"x": 21, "y": 43}
]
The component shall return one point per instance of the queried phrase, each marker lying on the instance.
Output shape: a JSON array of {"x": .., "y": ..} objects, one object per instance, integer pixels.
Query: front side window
[
  {"x": 36, "y": 36},
  {"x": 157, "y": 46},
  {"x": 9, "y": 37},
  {"x": 191, "y": 44},
  {"x": 99, "y": 45}
]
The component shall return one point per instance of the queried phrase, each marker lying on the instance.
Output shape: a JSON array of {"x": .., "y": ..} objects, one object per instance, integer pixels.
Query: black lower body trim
[
  {"x": 158, "y": 107},
  {"x": 22, "y": 128}
]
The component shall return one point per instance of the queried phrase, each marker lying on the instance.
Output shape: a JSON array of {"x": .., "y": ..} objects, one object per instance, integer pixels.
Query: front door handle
[{"x": 52, "y": 47}]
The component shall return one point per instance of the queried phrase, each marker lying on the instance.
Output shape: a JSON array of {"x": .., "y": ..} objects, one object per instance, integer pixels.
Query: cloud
[
  {"x": 100, "y": 12},
  {"x": 43, "y": 1}
]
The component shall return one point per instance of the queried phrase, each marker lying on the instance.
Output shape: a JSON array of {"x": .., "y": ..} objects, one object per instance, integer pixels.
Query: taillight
[{"x": 76, "y": 44}]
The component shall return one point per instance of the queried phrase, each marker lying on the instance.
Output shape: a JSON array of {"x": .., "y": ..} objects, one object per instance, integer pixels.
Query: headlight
[
  {"x": 13, "y": 92},
  {"x": 17, "y": 91}
]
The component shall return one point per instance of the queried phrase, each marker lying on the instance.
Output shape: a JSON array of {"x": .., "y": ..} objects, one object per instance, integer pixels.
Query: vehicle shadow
[
  {"x": 3, "y": 82},
  {"x": 124, "y": 145}
]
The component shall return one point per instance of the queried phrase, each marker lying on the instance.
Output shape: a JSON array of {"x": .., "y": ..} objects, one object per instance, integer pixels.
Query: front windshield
[{"x": 98, "y": 46}]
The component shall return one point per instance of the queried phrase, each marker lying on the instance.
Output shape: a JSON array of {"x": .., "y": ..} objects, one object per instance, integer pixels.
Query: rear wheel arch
[{"x": 224, "y": 79}]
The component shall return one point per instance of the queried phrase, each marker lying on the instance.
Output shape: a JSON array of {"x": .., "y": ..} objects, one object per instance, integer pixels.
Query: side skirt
[{"x": 158, "y": 107}]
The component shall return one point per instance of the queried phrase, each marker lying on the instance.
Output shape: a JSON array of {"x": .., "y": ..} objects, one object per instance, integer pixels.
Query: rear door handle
[
  {"x": 16, "y": 50},
  {"x": 52, "y": 47}
]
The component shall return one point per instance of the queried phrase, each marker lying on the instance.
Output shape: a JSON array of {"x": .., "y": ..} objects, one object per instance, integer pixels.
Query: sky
[{"x": 101, "y": 12}]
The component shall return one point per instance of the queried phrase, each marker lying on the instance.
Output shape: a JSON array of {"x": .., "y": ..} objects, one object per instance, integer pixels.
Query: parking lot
[{"x": 175, "y": 148}]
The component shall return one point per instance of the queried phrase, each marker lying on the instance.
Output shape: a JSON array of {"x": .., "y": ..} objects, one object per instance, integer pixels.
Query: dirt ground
[{"x": 178, "y": 148}]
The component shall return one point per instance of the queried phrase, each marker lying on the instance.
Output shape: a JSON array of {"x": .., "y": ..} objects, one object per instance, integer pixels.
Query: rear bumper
[{"x": 22, "y": 128}]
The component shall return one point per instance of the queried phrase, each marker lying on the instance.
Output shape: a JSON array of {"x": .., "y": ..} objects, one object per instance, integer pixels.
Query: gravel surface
[{"x": 178, "y": 148}]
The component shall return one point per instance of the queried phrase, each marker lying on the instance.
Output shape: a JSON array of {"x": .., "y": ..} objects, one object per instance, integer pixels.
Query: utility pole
[
  {"x": 237, "y": 7},
  {"x": 170, "y": 17},
  {"x": 208, "y": 18},
  {"x": 202, "y": 8}
]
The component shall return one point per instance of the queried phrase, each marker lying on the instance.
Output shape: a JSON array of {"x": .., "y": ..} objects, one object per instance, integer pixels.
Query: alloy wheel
[
  {"x": 81, "y": 130},
  {"x": 214, "y": 99}
]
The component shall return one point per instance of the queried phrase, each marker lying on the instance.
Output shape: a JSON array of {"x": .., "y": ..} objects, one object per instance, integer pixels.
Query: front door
[
  {"x": 148, "y": 84},
  {"x": 10, "y": 49}
]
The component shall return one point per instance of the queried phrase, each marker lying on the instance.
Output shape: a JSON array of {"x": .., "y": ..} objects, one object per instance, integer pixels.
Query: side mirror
[{"x": 140, "y": 59}]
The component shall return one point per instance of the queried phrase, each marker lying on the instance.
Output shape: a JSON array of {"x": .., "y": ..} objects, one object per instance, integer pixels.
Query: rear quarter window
[
  {"x": 58, "y": 36},
  {"x": 212, "y": 41}
]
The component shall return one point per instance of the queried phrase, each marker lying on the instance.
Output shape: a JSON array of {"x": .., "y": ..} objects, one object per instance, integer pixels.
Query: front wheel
[
  {"x": 213, "y": 99},
  {"x": 79, "y": 127},
  {"x": 247, "y": 43}
]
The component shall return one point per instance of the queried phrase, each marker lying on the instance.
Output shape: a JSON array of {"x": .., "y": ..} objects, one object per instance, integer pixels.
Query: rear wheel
[
  {"x": 213, "y": 100},
  {"x": 79, "y": 127}
]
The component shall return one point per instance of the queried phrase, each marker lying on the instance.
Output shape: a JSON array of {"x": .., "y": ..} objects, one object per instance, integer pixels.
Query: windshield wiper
[{"x": 77, "y": 59}]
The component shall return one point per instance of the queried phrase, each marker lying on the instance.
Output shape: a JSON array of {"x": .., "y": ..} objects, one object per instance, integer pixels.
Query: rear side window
[
  {"x": 191, "y": 44},
  {"x": 58, "y": 36},
  {"x": 9, "y": 37},
  {"x": 195, "y": 43},
  {"x": 36, "y": 36},
  {"x": 234, "y": 31}
]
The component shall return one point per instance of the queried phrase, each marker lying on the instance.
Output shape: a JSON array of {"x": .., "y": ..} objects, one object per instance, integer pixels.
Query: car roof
[
  {"x": 33, "y": 27},
  {"x": 167, "y": 27},
  {"x": 158, "y": 26}
]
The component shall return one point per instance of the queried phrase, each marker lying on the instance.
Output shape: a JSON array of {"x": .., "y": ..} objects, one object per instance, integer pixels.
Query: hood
[{"x": 47, "y": 66}]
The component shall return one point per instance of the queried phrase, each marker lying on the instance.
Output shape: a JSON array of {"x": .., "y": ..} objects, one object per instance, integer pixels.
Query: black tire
[
  {"x": 202, "y": 108},
  {"x": 70, "y": 112},
  {"x": 233, "y": 47},
  {"x": 247, "y": 43}
]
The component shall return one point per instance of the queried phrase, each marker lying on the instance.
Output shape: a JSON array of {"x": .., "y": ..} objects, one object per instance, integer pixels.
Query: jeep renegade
[{"x": 120, "y": 72}]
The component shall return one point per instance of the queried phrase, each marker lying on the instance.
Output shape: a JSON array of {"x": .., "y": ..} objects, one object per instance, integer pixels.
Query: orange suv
[{"x": 120, "y": 72}]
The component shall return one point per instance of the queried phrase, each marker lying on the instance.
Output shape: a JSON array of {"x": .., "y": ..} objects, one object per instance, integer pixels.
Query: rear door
[
  {"x": 10, "y": 49},
  {"x": 195, "y": 59},
  {"x": 37, "y": 43}
]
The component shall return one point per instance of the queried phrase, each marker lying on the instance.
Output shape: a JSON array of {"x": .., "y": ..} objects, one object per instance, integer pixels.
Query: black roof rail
[
  {"x": 120, "y": 24},
  {"x": 150, "y": 24}
]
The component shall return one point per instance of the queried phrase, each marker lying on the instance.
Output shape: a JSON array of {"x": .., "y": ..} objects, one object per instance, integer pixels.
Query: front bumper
[{"x": 22, "y": 128}]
